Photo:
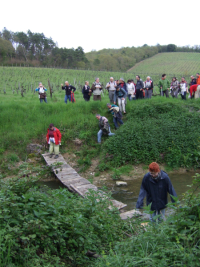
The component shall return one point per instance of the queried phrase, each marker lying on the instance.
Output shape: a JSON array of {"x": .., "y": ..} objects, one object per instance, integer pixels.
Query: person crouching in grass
[{"x": 53, "y": 138}]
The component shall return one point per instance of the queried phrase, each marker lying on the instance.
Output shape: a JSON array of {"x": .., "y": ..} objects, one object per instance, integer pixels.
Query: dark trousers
[
  {"x": 166, "y": 92},
  {"x": 184, "y": 96},
  {"x": 115, "y": 120},
  {"x": 139, "y": 94}
]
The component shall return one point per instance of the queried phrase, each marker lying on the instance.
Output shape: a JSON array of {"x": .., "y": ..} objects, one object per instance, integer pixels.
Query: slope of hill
[{"x": 176, "y": 63}]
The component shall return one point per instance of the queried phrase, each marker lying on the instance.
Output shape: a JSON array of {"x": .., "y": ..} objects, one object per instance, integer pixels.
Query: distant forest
[{"x": 35, "y": 49}]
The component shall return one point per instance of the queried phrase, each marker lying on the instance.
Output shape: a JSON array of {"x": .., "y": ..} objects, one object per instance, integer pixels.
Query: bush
[{"x": 157, "y": 131}]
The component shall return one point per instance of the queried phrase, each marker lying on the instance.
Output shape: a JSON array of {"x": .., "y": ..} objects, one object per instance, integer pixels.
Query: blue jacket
[
  {"x": 155, "y": 191},
  {"x": 120, "y": 93}
]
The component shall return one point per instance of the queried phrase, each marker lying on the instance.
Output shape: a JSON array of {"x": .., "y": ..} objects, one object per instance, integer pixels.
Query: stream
[{"x": 129, "y": 194}]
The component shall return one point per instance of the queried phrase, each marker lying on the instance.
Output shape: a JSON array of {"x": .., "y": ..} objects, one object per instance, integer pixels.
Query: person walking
[
  {"x": 130, "y": 89},
  {"x": 148, "y": 86},
  {"x": 111, "y": 87},
  {"x": 120, "y": 95},
  {"x": 164, "y": 86},
  {"x": 68, "y": 91},
  {"x": 96, "y": 89},
  {"x": 104, "y": 127},
  {"x": 155, "y": 186},
  {"x": 42, "y": 93},
  {"x": 174, "y": 87},
  {"x": 139, "y": 87},
  {"x": 53, "y": 138},
  {"x": 117, "y": 115},
  {"x": 86, "y": 91},
  {"x": 183, "y": 87}
]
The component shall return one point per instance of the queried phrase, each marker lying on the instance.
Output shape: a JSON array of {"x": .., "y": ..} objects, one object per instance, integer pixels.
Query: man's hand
[
  {"x": 167, "y": 88},
  {"x": 61, "y": 84},
  {"x": 114, "y": 103},
  {"x": 122, "y": 98}
]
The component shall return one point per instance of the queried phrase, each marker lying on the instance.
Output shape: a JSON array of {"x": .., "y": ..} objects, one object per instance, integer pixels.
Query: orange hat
[{"x": 154, "y": 167}]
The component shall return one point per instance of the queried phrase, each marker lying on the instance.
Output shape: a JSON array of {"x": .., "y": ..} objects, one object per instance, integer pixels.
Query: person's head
[
  {"x": 97, "y": 80},
  {"x": 109, "y": 105},
  {"x": 121, "y": 80},
  {"x": 137, "y": 77},
  {"x": 197, "y": 75},
  {"x": 86, "y": 83},
  {"x": 173, "y": 79},
  {"x": 98, "y": 116},
  {"x": 154, "y": 170},
  {"x": 129, "y": 81},
  {"x": 192, "y": 77},
  {"x": 66, "y": 83},
  {"x": 132, "y": 81},
  {"x": 51, "y": 126},
  {"x": 117, "y": 88},
  {"x": 111, "y": 79},
  {"x": 117, "y": 81},
  {"x": 40, "y": 84},
  {"x": 183, "y": 79},
  {"x": 164, "y": 76},
  {"x": 148, "y": 78}
]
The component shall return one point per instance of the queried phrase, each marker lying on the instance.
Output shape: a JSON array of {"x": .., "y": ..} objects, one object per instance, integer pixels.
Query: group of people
[
  {"x": 181, "y": 87},
  {"x": 119, "y": 90}
]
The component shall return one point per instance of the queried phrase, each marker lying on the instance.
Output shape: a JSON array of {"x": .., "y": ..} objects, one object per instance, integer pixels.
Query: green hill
[{"x": 175, "y": 63}]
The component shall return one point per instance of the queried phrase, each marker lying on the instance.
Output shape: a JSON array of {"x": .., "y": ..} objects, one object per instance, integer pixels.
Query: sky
[{"x": 95, "y": 25}]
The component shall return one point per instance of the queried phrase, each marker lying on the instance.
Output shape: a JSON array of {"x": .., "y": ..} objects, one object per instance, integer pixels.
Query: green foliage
[
  {"x": 53, "y": 226},
  {"x": 156, "y": 131},
  {"x": 12, "y": 157},
  {"x": 175, "y": 242}
]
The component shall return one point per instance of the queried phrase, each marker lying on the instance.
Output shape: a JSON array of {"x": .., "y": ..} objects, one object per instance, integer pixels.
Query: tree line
[{"x": 35, "y": 49}]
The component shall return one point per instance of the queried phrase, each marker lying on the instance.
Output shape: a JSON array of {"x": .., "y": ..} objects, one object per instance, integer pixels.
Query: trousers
[{"x": 53, "y": 148}]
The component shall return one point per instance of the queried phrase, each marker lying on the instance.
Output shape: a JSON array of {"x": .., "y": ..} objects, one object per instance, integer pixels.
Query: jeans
[
  {"x": 99, "y": 135},
  {"x": 43, "y": 99},
  {"x": 67, "y": 97},
  {"x": 53, "y": 147},
  {"x": 158, "y": 212},
  {"x": 115, "y": 120}
]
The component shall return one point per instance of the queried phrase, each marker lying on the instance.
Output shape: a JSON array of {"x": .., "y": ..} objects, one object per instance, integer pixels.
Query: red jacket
[
  {"x": 193, "y": 89},
  {"x": 57, "y": 136}
]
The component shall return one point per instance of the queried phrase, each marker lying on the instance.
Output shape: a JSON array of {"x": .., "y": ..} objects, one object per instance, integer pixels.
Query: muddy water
[{"x": 129, "y": 194}]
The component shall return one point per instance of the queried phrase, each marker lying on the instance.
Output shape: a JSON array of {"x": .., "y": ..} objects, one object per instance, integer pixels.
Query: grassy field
[{"x": 177, "y": 64}]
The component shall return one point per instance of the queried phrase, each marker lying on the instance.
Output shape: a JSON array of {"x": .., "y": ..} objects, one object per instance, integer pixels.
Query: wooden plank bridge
[{"x": 72, "y": 180}]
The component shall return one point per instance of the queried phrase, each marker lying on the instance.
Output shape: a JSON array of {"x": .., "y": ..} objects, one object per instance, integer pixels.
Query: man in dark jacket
[
  {"x": 68, "y": 90},
  {"x": 139, "y": 87},
  {"x": 155, "y": 186}
]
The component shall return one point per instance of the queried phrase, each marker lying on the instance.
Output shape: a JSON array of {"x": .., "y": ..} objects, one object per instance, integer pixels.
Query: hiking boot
[
  {"x": 56, "y": 156},
  {"x": 51, "y": 155}
]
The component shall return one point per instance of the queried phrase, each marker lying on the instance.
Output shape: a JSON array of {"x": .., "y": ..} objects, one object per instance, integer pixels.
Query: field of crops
[
  {"x": 178, "y": 63},
  {"x": 15, "y": 79}
]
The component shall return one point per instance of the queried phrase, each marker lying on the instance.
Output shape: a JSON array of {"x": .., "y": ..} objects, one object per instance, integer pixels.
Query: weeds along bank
[
  {"x": 165, "y": 130},
  {"x": 160, "y": 130},
  {"x": 42, "y": 227}
]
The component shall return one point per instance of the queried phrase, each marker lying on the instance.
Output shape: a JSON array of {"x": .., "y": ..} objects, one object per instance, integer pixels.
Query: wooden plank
[
  {"x": 71, "y": 179},
  {"x": 130, "y": 214},
  {"x": 76, "y": 190}
]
